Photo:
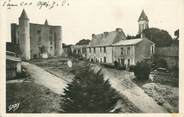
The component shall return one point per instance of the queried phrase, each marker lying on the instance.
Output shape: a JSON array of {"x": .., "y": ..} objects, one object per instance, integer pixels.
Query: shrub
[
  {"x": 131, "y": 68},
  {"x": 142, "y": 71},
  {"x": 162, "y": 63},
  {"x": 159, "y": 62},
  {"x": 118, "y": 66},
  {"x": 121, "y": 67},
  {"x": 89, "y": 93},
  {"x": 108, "y": 65}
]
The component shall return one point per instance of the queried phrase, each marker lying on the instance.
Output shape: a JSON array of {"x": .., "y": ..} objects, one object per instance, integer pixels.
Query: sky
[{"x": 82, "y": 18}]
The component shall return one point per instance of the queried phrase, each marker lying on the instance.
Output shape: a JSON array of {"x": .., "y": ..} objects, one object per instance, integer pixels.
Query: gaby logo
[{"x": 13, "y": 107}]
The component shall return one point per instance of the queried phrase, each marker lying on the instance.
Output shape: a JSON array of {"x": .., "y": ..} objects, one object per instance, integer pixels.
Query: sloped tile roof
[
  {"x": 128, "y": 42},
  {"x": 107, "y": 38}
]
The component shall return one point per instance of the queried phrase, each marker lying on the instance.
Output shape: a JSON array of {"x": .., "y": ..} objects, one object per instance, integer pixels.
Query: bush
[
  {"x": 162, "y": 63},
  {"x": 89, "y": 93},
  {"x": 142, "y": 71},
  {"x": 121, "y": 67},
  {"x": 118, "y": 66},
  {"x": 131, "y": 68},
  {"x": 159, "y": 62},
  {"x": 108, "y": 65}
]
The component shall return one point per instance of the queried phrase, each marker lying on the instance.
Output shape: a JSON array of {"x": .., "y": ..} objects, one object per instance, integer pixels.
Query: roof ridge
[{"x": 129, "y": 41}]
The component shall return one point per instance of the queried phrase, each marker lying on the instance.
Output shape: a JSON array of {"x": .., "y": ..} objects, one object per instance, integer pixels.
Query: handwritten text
[{"x": 50, "y": 4}]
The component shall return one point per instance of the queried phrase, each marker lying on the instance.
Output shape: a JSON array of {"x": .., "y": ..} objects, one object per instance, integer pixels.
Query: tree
[
  {"x": 160, "y": 63},
  {"x": 142, "y": 71},
  {"x": 83, "y": 42},
  {"x": 133, "y": 37},
  {"x": 89, "y": 93},
  {"x": 160, "y": 37}
]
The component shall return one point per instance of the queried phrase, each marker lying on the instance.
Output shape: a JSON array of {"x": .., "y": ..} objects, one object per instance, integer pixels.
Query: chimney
[
  {"x": 93, "y": 35},
  {"x": 101, "y": 35},
  {"x": 105, "y": 34},
  {"x": 119, "y": 30}
]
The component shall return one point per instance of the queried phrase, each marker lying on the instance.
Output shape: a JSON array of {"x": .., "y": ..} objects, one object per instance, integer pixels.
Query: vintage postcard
[{"x": 86, "y": 57}]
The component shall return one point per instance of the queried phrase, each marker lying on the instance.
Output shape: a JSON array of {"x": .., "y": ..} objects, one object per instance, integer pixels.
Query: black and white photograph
[{"x": 92, "y": 57}]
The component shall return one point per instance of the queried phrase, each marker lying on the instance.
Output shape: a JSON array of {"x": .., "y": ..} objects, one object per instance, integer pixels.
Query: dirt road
[
  {"x": 121, "y": 81},
  {"x": 45, "y": 78}
]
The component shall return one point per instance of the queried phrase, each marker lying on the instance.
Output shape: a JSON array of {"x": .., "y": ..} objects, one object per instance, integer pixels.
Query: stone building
[
  {"x": 109, "y": 47},
  {"x": 79, "y": 50},
  {"x": 36, "y": 40},
  {"x": 129, "y": 52},
  {"x": 100, "y": 47},
  {"x": 67, "y": 51},
  {"x": 115, "y": 47}
]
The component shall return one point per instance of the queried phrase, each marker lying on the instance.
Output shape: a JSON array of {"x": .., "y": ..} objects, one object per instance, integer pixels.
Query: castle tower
[
  {"x": 58, "y": 41},
  {"x": 143, "y": 22},
  {"x": 24, "y": 36}
]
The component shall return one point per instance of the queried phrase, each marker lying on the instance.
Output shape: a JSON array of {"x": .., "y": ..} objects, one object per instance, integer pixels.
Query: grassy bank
[{"x": 32, "y": 98}]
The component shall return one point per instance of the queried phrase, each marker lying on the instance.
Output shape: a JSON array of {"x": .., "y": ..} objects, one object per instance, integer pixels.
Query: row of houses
[
  {"x": 110, "y": 47},
  {"x": 113, "y": 46}
]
